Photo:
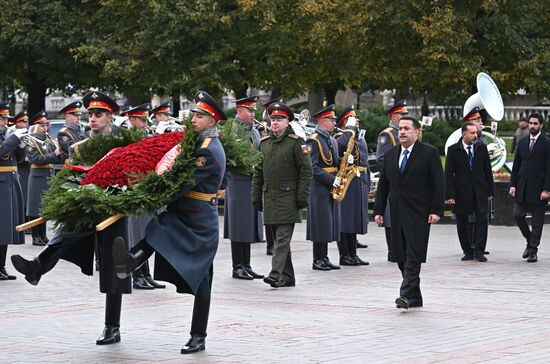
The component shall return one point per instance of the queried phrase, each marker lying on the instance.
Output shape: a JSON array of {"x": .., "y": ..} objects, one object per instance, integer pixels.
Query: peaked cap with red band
[
  {"x": 99, "y": 100},
  {"x": 23, "y": 116},
  {"x": 4, "y": 109},
  {"x": 327, "y": 112},
  {"x": 205, "y": 104},
  {"x": 39, "y": 118},
  {"x": 72, "y": 108},
  {"x": 162, "y": 108},
  {"x": 473, "y": 114},
  {"x": 248, "y": 102},
  {"x": 281, "y": 110},
  {"x": 348, "y": 111},
  {"x": 398, "y": 108},
  {"x": 141, "y": 110}
]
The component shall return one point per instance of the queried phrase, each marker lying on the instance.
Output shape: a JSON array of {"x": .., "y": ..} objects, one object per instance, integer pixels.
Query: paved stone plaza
[{"x": 474, "y": 312}]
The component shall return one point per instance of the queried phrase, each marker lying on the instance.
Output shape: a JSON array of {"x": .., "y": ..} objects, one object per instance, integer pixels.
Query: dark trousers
[
  {"x": 281, "y": 263},
  {"x": 201, "y": 308},
  {"x": 269, "y": 236},
  {"x": 472, "y": 237},
  {"x": 533, "y": 235},
  {"x": 347, "y": 246},
  {"x": 320, "y": 250},
  {"x": 38, "y": 230},
  {"x": 240, "y": 254},
  {"x": 3, "y": 253},
  {"x": 410, "y": 271}
]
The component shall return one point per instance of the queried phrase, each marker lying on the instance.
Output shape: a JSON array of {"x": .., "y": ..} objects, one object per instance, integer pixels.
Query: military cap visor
[
  {"x": 39, "y": 118},
  {"x": 73, "y": 108},
  {"x": 162, "y": 108},
  {"x": 472, "y": 115},
  {"x": 21, "y": 117},
  {"x": 399, "y": 108},
  {"x": 141, "y": 110},
  {"x": 248, "y": 102},
  {"x": 326, "y": 113},
  {"x": 96, "y": 100},
  {"x": 205, "y": 104},
  {"x": 4, "y": 109},
  {"x": 280, "y": 110}
]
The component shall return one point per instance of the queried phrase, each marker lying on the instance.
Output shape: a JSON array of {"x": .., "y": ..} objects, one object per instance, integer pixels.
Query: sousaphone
[{"x": 487, "y": 97}]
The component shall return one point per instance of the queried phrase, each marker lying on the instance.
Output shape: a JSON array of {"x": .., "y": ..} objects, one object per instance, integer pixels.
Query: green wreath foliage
[
  {"x": 77, "y": 207},
  {"x": 241, "y": 156},
  {"x": 96, "y": 147}
]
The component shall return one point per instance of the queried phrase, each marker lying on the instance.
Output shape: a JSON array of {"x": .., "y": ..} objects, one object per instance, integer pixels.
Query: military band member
[
  {"x": 161, "y": 112},
  {"x": 323, "y": 213},
  {"x": 11, "y": 208},
  {"x": 243, "y": 224},
  {"x": 264, "y": 131},
  {"x": 141, "y": 277},
  {"x": 70, "y": 133},
  {"x": 388, "y": 139},
  {"x": 186, "y": 236},
  {"x": 42, "y": 153},
  {"x": 21, "y": 121},
  {"x": 78, "y": 246},
  {"x": 281, "y": 185},
  {"x": 355, "y": 205}
]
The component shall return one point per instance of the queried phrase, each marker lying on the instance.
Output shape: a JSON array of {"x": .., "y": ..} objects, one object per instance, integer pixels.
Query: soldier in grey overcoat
[
  {"x": 243, "y": 224},
  {"x": 323, "y": 214},
  {"x": 11, "y": 208}
]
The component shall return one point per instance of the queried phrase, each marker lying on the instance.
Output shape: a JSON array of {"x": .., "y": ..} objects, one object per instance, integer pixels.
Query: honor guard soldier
[
  {"x": 21, "y": 121},
  {"x": 78, "y": 246},
  {"x": 70, "y": 133},
  {"x": 141, "y": 277},
  {"x": 355, "y": 205},
  {"x": 280, "y": 186},
  {"x": 243, "y": 224},
  {"x": 323, "y": 213},
  {"x": 161, "y": 112},
  {"x": 388, "y": 139},
  {"x": 11, "y": 208},
  {"x": 42, "y": 153},
  {"x": 264, "y": 131},
  {"x": 186, "y": 236}
]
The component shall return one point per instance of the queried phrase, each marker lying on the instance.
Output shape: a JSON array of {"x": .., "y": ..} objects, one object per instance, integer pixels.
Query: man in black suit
[
  {"x": 412, "y": 177},
  {"x": 530, "y": 183},
  {"x": 469, "y": 184}
]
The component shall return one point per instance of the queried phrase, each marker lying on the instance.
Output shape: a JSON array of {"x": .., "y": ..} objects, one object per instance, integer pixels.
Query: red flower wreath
[{"x": 123, "y": 166}]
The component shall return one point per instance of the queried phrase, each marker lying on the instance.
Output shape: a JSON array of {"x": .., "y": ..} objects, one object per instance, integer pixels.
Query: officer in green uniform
[{"x": 283, "y": 180}]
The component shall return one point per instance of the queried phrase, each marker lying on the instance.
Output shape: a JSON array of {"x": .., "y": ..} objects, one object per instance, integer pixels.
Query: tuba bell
[{"x": 488, "y": 97}]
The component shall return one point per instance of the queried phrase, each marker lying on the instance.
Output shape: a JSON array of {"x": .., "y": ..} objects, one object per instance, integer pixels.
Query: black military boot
[
  {"x": 111, "y": 332},
  {"x": 352, "y": 245},
  {"x": 199, "y": 323},
  {"x": 128, "y": 261},
  {"x": 246, "y": 262},
  {"x": 43, "y": 263},
  {"x": 237, "y": 258},
  {"x": 138, "y": 280},
  {"x": 149, "y": 278}
]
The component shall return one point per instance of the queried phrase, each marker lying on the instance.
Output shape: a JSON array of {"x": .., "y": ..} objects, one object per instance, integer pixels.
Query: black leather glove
[
  {"x": 258, "y": 205},
  {"x": 302, "y": 204}
]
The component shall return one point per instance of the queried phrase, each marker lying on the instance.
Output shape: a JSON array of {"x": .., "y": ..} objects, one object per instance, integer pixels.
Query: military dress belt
[
  {"x": 10, "y": 169},
  {"x": 212, "y": 198},
  {"x": 42, "y": 166}
]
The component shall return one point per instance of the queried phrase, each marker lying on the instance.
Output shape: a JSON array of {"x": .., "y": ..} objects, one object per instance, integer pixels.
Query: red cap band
[
  {"x": 209, "y": 109},
  {"x": 94, "y": 104}
]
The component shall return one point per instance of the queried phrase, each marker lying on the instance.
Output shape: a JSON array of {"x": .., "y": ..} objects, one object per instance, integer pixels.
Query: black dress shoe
[
  {"x": 329, "y": 264},
  {"x": 3, "y": 277},
  {"x": 467, "y": 257},
  {"x": 240, "y": 273},
  {"x": 152, "y": 282},
  {"x": 8, "y": 276},
  {"x": 30, "y": 268},
  {"x": 110, "y": 335},
  {"x": 195, "y": 344},
  {"x": 532, "y": 258},
  {"x": 37, "y": 240},
  {"x": 402, "y": 302},
  {"x": 141, "y": 283},
  {"x": 270, "y": 280},
  {"x": 319, "y": 264},
  {"x": 415, "y": 303},
  {"x": 346, "y": 260},
  {"x": 480, "y": 258},
  {"x": 283, "y": 283},
  {"x": 250, "y": 272},
  {"x": 525, "y": 254},
  {"x": 359, "y": 260},
  {"x": 359, "y": 245}
]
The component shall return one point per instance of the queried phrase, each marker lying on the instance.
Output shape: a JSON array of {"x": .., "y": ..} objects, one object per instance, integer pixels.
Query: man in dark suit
[
  {"x": 530, "y": 183},
  {"x": 469, "y": 184},
  {"x": 412, "y": 178}
]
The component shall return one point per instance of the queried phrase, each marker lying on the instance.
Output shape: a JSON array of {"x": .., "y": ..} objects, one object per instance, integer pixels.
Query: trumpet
[{"x": 167, "y": 126}]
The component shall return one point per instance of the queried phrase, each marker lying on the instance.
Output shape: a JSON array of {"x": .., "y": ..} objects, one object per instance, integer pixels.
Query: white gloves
[
  {"x": 350, "y": 159},
  {"x": 19, "y": 132},
  {"x": 337, "y": 182}
]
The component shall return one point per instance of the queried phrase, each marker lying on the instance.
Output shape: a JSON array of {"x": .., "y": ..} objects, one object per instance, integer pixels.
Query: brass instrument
[
  {"x": 32, "y": 141},
  {"x": 346, "y": 172},
  {"x": 263, "y": 127}
]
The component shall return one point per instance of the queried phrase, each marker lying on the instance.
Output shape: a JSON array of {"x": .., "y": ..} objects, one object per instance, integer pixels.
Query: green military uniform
[{"x": 283, "y": 179}]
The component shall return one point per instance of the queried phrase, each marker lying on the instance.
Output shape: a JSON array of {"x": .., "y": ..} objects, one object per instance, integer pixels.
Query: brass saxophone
[{"x": 346, "y": 172}]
